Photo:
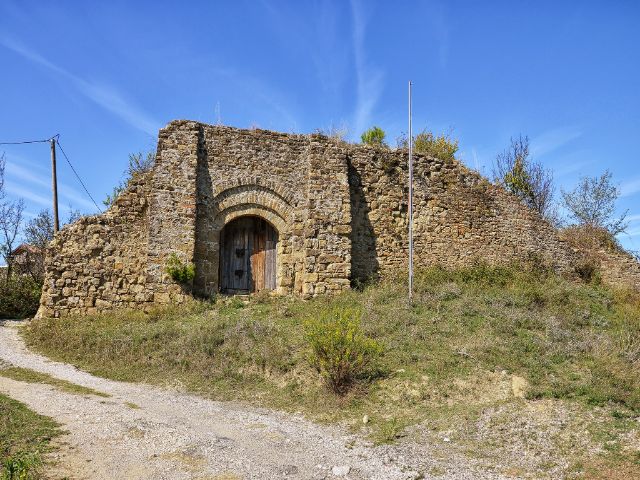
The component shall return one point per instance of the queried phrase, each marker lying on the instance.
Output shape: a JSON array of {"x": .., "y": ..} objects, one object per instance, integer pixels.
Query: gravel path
[{"x": 144, "y": 432}]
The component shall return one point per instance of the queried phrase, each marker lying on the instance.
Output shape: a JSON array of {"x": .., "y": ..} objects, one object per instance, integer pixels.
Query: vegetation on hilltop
[
  {"x": 527, "y": 179},
  {"x": 139, "y": 163},
  {"x": 373, "y": 136}
]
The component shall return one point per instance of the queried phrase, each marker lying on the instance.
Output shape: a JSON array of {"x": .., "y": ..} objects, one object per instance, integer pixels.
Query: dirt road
[{"x": 145, "y": 432}]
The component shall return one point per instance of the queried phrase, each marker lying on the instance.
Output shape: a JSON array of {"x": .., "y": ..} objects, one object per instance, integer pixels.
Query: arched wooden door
[{"x": 248, "y": 256}]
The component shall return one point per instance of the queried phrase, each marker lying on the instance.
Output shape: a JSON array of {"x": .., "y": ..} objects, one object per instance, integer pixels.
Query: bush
[
  {"x": 442, "y": 146},
  {"x": 179, "y": 271},
  {"x": 341, "y": 352},
  {"x": 19, "y": 297},
  {"x": 373, "y": 136}
]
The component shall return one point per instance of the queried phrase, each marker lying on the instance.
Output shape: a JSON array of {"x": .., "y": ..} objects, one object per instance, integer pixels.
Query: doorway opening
[{"x": 248, "y": 256}]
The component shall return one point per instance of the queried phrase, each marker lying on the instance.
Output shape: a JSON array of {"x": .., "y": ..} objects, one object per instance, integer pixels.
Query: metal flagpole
[
  {"x": 54, "y": 185},
  {"x": 410, "y": 201}
]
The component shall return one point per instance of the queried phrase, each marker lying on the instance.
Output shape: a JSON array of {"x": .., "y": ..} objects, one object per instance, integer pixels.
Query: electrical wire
[
  {"x": 76, "y": 174},
  {"x": 56, "y": 138},
  {"x": 28, "y": 141}
]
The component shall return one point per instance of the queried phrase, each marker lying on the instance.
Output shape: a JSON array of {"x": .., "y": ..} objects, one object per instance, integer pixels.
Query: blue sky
[{"x": 107, "y": 75}]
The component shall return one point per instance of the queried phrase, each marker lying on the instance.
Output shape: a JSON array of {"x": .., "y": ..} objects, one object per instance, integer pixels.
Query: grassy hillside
[
  {"x": 454, "y": 363},
  {"x": 24, "y": 438}
]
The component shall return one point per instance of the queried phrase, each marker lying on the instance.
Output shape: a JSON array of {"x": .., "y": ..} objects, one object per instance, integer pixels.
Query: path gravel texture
[{"x": 145, "y": 432}]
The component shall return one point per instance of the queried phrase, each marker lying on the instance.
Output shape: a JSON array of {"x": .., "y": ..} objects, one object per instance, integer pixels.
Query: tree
[
  {"x": 517, "y": 172},
  {"x": 74, "y": 214},
  {"x": 592, "y": 203},
  {"x": 39, "y": 230},
  {"x": 427, "y": 143},
  {"x": 10, "y": 221},
  {"x": 139, "y": 163},
  {"x": 37, "y": 233},
  {"x": 373, "y": 136}
]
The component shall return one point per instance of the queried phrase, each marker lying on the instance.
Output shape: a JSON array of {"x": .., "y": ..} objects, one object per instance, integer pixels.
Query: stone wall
[
  {"x": 251, "y": 172},
  {"x": 619, "y": 268},
  {"x": 340, "y": 211},
  {"x": 99, "y": 262},
  {"x": 459, "y": 217}
]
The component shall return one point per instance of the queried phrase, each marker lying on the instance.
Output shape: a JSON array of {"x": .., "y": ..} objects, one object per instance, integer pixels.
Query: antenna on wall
[
  {"x": 410, "y": 201},
  {"x": 218, "y": 118}
]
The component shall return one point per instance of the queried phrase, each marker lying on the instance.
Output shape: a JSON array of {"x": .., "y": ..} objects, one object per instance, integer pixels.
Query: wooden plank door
[
  {"x": 258, "y": 255},
  {"x": 271, "y": 245},
  {"x": 235, "y": 251},
  {"x": 248, "y": 256}
]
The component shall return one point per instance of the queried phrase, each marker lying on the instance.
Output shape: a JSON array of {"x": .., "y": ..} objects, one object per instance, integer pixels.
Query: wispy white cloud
[
  {"x": 103, "y": 95},
  {"x": 66, "y": 193},
  {"x": 330, "y": 59},
  {"x": 633, "y": 218},
  {"x": 262, "y": 93},
  {"x": 630, "y": 188},
  {"x": 369, "y": 80},
  {"x": 22, "y": 192},
  {"x": 553, "y": 140},
  {"x": 563, "y": 168}
]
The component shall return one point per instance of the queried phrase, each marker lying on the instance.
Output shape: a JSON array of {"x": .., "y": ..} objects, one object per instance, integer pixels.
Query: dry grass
[
  {"x": 24, "y": 438},
  {"x": 31, "y": 376},
  {"x": 448, "y": 359}
]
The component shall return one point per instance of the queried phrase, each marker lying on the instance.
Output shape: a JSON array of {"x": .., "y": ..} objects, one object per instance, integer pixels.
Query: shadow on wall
[
  {"x": 204, "y": 255},
  {"x": 364, "y": 254}
]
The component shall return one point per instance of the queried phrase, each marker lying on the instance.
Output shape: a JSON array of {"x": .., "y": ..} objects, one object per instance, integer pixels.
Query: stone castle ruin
[{"x": 257, "y": 210}]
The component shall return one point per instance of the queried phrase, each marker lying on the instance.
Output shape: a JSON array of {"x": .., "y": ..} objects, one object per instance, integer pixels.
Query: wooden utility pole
[{"x": 54, "y": 186}]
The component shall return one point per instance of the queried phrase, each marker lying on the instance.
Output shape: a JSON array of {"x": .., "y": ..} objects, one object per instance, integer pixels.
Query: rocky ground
[{"x": 144, "y": 432}]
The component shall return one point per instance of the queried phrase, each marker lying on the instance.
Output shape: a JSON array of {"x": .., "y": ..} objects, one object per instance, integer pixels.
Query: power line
[
  {"x": 76, "y": 174},
  {"x": 56, "y": 138},
  {"x": 28, "y": 141}
]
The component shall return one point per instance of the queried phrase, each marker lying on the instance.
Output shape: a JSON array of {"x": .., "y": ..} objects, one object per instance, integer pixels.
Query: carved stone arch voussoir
[
  {"x": 271, "y": 216},
  {"x": 252, "y": 200},
  {"x": 254, "y": 182}
]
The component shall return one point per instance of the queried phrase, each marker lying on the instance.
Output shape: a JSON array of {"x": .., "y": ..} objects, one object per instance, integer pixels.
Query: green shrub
[
  {"x": 22, "y": 466},
  {"x": 340, "y": 350},
  {"x": 19, "y": 297},
  {"x": 442, "y": 146},
  {"x": 373, "y": 136},
  {"x": 179, "y": 271}
]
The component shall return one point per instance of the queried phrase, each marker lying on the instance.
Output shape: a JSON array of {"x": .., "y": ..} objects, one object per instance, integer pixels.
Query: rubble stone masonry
[{"x": 340, "y": 211}]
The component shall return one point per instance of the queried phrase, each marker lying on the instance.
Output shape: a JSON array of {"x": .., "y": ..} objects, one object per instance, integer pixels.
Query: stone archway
[
  {"x": 248, "y": 250},
  {"x": 235, "y": 202}
]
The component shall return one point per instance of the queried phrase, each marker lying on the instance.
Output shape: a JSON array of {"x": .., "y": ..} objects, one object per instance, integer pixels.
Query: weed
[
  {"x": 22, "y": 466},
  {"x": 31, "y": 376},
  {"x": 24, "y": 437},
  {"x": 340, "y": 350},
  {"x": 389, "y": 430},
  {"x": 179, "y": 271}
]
